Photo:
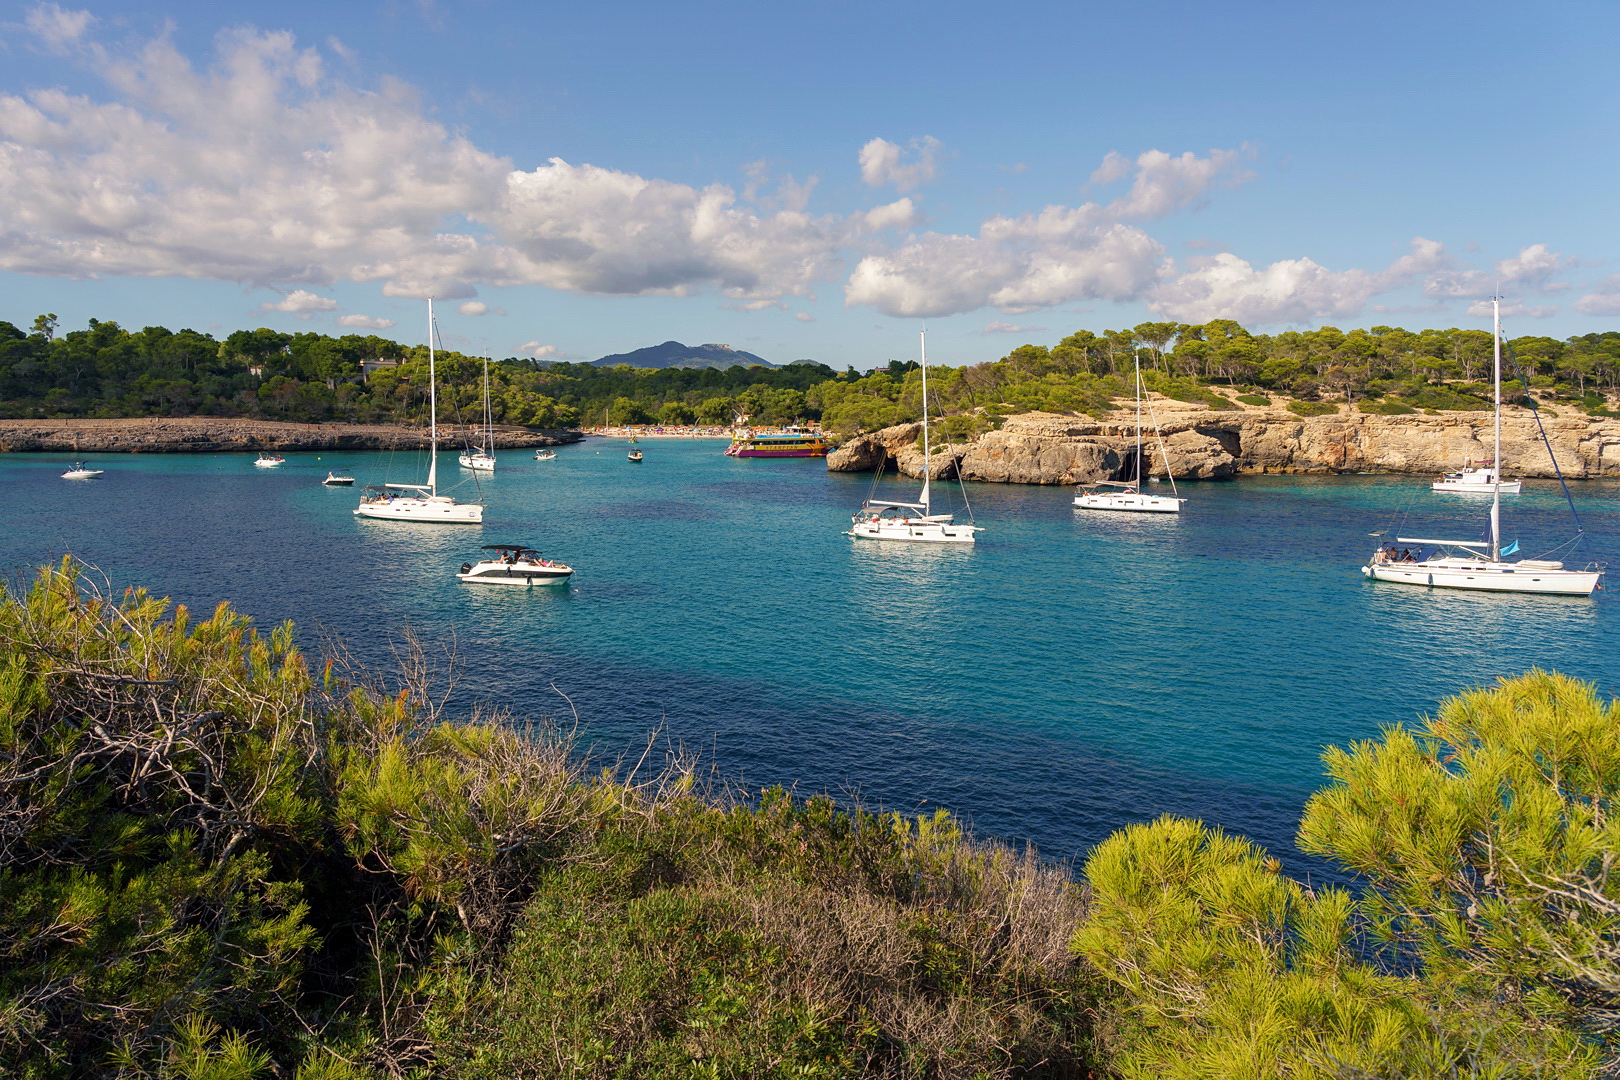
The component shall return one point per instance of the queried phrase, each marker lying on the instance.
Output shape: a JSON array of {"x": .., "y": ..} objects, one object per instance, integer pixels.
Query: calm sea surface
[{"x": 1071, "y": 673}]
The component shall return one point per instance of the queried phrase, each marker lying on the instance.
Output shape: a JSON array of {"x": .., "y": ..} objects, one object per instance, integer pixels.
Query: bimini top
[{"x": 519, "y": 548}]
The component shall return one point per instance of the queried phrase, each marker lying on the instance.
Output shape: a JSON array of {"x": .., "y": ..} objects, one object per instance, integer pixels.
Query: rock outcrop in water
[
  {"x": 199, "y": 434},
  {"x": 1202, "y": 444}
]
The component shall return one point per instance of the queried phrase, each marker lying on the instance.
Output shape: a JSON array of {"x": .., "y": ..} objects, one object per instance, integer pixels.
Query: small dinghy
[{"x": 80, "y": 471}]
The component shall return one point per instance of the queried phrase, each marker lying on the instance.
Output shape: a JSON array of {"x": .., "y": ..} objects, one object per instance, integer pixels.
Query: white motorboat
[
  {"x": 1477, "y": 478},
  {"x": 635, "y": 455},
  {"x": 1127, "y": 495},
  {"x": 421, "y": 502},
  {"x": 514, "y": 564},
  {"x": 545, "y": 455},
  {"x": 1482, "y": 565},
  {"x": 912, "y": 521},
  {"x": 482, "y": 457},
  {"x": 336, "y": 479},
  {"x": 79, "y": 471},
  {"x": 267, "y": 460}
]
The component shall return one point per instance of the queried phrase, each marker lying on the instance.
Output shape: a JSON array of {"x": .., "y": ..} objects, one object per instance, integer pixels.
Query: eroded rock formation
[{"x": 1200, "y": 444}]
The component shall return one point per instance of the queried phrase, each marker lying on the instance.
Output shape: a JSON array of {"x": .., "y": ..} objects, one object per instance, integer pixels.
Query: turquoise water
[{"x": 1069, "y": 674}]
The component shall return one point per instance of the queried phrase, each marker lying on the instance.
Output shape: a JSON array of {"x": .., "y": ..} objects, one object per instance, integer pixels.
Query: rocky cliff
[
  {"x": 197, "y": 434},
  {"x": 1200, "y": 444}
]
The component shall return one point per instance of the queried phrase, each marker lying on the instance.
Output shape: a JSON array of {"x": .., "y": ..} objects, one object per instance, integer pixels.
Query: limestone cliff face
[{"x": 1199, "y": 444}]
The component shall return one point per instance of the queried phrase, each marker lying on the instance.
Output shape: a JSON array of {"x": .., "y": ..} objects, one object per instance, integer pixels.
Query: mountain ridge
[{"x": 673, "y": 354}]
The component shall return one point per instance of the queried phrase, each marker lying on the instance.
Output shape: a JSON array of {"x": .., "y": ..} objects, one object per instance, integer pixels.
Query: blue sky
[{"x": 815, "y": 180}]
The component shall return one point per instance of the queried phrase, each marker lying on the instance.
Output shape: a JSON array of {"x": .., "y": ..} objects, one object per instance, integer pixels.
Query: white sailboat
[
  {"x": 1128, "y": 495},
  {"x": 426, "y": 504},
  {"x": 482, "y": 456},
  {"x": 912, "y": 521},
  {"x": 1480, "y": 564}
]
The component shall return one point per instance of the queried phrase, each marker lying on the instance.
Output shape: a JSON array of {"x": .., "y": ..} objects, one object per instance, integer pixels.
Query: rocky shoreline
[
  {"x": 1203, "y": 444},
  {"x": 200, "y": 434}
]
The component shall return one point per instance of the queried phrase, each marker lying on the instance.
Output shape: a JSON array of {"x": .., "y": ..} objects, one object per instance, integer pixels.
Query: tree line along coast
[
  {"x": 222, "y": 859},
  {"x": 106, "y": 371}
]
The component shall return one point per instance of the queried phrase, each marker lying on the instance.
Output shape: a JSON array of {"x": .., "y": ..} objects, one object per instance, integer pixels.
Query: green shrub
[
  {"x": 786, "y": 939},
  {"x": 1254, "y": 399},
  {"x": 1386, "y": 407},
  {"x": 1312, "y": 408}
]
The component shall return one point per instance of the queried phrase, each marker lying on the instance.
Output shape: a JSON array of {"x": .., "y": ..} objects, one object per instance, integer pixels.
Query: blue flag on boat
[{"x": 1511, "y": 548}]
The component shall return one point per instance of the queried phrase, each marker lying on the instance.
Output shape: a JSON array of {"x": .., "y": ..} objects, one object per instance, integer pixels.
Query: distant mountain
[{"x": 674, "y": 354}]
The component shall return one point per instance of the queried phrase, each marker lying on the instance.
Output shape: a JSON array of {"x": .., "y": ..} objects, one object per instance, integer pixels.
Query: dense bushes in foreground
[
  {"x": 217, "y": 863},
  {"x": 214, "y": 862}
]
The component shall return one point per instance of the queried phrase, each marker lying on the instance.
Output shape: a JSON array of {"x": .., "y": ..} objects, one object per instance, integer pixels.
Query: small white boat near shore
[
  {"x": 545, "y": 454},
  {"x": 336, "y": 479},
  {"x": 1478, "y": 478},
  {"x": 267, "y": 460},
  {"x": 80, "y": 471}
]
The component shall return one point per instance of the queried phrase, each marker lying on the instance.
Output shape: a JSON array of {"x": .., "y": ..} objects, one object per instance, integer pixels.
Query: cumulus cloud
[
  {"x": 883, "y": 162},
  {"x": 1058, "y": 255},
  {"x": 1010, "y": 328},
  {"x": 1530, "y": 270},
  {"x": 1165, "y": 185},
  {"x": 1224, "y": 286},
  {"x": 475, "y": 308},
  {"x": 300, "y": 302},
  {"x": 1533, "y": 267},
  {"x": 804, "y": 316},
  {"x": 57, "y": 29},
  {"x": 1511, "y": 309},
  {"x": 537, "y": 350},
  {"x": 365, "y": 321},
  {"x": 1604, "y": 299},
  {"x": 261, "y": 169}
]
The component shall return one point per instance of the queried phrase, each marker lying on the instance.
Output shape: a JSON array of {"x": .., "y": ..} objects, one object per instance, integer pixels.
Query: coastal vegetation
[
  {"x": 108, "y": 371},
  {"x": 220, "y": 859}
]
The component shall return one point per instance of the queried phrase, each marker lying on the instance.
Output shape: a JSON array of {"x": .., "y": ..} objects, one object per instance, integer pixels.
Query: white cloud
[
  {"x": 365, "y": 321},
  {"x": 1165, "y": 185},
  {"x": 261, "y": 169},
  {"x": 300, "y": 302},
  {"x": 901, "y": 214},
  {"x": 1010, "y": 328},
  {"x": 56, "y": 28},
  {"x": 881, "y": 163},
  {"x": 1529, "y": 270},
  {"x": 1224, "y": 286},
  {"x": 1604, "y": 299},
  {"x": 1511, "y": 309},
  {"x": 1059, "y": 255},
  {"x": 475, "y": 308},
  {"x": 1532, "y": 268},
  {"x": 804, "y": 316},
  {"x": 537, "y": 350}
]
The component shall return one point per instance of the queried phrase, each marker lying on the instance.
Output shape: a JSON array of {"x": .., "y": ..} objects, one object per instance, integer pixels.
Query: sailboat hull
[
  {"x": 1482, "y": 575},
  {"x": 923, "y": 532},
  {"x": 477, "y": 461},
  {"x": 439, "y": 510},
  {"x": 1141, "y": 504}
]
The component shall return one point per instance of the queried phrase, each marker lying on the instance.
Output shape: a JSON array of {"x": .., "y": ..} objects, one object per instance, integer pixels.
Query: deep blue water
[{"x": 1069, "y": 674}]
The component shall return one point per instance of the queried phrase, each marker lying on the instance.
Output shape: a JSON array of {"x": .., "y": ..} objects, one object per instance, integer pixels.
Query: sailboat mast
[
  {"x": 1137, "y": 357},
  {"x": 433, "y": 413},
  {"x": 922, "y": 343},
  {"x": 489, "y": 415},
  {"x": 1496, "y": 463}
]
